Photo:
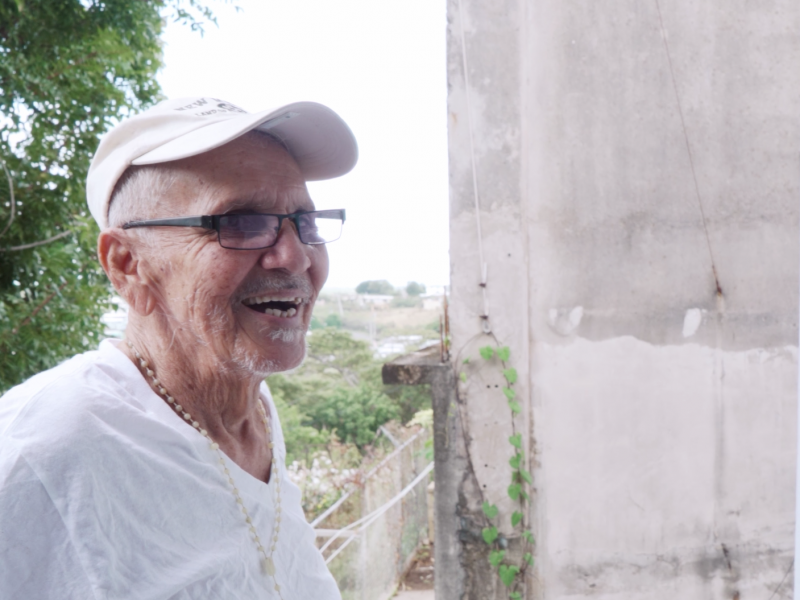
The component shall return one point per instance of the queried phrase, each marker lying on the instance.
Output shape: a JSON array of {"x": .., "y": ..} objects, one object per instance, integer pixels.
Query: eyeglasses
[{"x": 255, "y": 231}]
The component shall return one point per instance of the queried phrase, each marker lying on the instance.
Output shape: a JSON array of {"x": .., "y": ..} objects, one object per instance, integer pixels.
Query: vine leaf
[
  {"x": 516, "y": 440},
  {"x": 463, "y": 376},
  {"x": 489, "y": 534},
  {"x": 514, "y": 491},
  {"x": 490, "y": 510},
  {"x": 528, "y": 558},
  {"x": 528, "y": 536},
  {"x": 515, "y": 596},
  {"x": 510, "y": 375},
  {"x": 516, "y": 517},
  {"x": 496, "y": 557},
  {"x": 465, "y": 361},
  {"x": 510, "y": 394},
  {"x": 503, "y": 353},
  {"x": 514, "y": 461},
  {"x": 526, "y": 476},
  {"x": 508, "y": 573},
  {"x": 487, "y": 352},
  {"x": 514, "y": 406}
]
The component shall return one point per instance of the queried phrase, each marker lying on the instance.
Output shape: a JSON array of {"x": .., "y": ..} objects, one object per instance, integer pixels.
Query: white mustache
[{"x": 277, "y": 283}]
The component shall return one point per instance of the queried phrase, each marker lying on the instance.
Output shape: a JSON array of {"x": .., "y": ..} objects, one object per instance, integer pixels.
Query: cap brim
[{"x": 318, "y": 139}]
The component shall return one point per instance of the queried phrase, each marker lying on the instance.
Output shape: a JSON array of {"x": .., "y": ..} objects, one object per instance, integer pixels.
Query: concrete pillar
[{"x": 450, "y": 464}]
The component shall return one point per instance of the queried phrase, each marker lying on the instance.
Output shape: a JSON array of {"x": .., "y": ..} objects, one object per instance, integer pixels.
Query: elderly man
[{"x": 154, "y": 467}]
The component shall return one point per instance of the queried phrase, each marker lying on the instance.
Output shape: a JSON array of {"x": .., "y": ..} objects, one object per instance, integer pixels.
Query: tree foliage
[
  {"x": 338, "y": 390},
  {"x": 380, "y": 287},
  {"x": 69, "y": 70},
  {"x": 415, "y": 289},
  {"x": 354, "y": 413}
]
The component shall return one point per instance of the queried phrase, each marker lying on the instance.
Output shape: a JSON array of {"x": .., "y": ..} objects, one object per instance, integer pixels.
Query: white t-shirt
[{"x": 106, "y": 493}]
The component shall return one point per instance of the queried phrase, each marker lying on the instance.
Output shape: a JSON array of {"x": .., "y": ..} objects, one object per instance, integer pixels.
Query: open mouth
[{"x": 278, "y": 307}]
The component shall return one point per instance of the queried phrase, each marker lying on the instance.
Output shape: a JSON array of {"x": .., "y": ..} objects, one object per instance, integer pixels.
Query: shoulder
[{"x": 54, "y": 400}]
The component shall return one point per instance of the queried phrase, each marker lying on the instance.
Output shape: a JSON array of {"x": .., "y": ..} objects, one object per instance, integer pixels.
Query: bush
[
  {"x": 415, "y": 289},
  {"x": 324, "y": 477},
  {"x": 380, "y": 287},
  {"x": 354, "y": 414},
  {"x": 333, "y": 320}
]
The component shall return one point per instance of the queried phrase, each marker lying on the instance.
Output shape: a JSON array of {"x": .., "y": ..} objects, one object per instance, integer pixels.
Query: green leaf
[
  {"x": 508, "y": 573},
  {"x": 490, "y": 510},
  {"x": 428, "y": 450},
  {"x": 463, "y": 376},
  {"x": 516, "y": 440},
  {"x": 514, "y": 406},
  {"x": 510, "y": 394},
  {"x": 514, "y": 490},
  {"x": 528, "y": 558},
  {"x": 487, "y": 352},
  {"x": 504, "y": 353},
  {"x": 525, "y": 495},
  {"x": 528, "y": 537},
  {"x": 526, "y": 476},
  {"x": 489, "y": 534},
  {"x": 510, "y": 375},
  {"x": 515, "y": 596},
  {"x": 514, "y": 461},
  {"x": 516, "y": 517},
  {"x": 465, "y": 361},
  {"x": 496, "y": 557}
]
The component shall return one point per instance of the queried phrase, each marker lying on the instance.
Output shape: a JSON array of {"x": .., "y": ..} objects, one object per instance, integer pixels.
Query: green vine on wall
[{"x": 511, "y": 575}]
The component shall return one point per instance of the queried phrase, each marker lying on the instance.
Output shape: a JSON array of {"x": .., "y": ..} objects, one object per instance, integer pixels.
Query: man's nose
[{"x": 288, "y": 253}]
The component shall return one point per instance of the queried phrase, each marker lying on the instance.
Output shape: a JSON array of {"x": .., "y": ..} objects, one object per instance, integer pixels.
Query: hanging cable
[{"x": 484, "y": 267}]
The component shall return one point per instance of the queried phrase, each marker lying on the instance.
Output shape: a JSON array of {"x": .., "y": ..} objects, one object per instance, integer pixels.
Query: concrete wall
[{"x": 640, "y": 226}]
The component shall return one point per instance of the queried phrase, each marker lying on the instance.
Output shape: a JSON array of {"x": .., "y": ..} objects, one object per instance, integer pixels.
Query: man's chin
[
  {"x": 291, "y": 352},
  {"x": 288, "y": 336}
]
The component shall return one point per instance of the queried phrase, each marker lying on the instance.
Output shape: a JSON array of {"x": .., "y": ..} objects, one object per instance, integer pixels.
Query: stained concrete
[{"x": 639, "y": 225}]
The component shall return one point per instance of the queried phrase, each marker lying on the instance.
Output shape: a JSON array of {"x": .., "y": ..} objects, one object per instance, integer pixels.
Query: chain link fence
[{"x": 370, "y": 535}]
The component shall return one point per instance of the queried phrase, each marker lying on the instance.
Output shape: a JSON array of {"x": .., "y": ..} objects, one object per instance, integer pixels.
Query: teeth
[
  {"x": 263, "y": 299},
  {"x": 280, "y": 313}
]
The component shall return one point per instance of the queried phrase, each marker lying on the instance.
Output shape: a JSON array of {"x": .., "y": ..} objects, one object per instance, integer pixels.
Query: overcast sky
[{"x": 381, "y": 65}]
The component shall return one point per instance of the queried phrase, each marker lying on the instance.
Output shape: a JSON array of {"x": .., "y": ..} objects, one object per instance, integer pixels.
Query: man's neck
[{"x": 222, "y": 399}]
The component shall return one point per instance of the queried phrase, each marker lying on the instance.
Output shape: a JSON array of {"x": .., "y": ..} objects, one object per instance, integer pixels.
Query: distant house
[{"x": 374, "y": 299}]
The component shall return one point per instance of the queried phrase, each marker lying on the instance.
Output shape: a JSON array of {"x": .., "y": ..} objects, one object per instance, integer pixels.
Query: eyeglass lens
[{"x": 249, "y": 232}]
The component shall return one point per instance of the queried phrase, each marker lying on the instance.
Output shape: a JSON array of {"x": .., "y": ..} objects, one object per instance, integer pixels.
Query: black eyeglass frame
[{"x": 213, "y": 222}]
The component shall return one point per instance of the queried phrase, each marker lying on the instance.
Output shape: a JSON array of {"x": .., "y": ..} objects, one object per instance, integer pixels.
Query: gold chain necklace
[{"x": 267, "y": 564}]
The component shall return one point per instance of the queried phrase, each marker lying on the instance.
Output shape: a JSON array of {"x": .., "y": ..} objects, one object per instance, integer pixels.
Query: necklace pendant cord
[{"x": 266, "y": 562}]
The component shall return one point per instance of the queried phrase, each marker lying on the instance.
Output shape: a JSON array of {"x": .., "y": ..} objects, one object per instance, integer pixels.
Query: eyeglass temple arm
[
  {"x": 206, "y": 222},
  {"x": 337, "y": 213}
]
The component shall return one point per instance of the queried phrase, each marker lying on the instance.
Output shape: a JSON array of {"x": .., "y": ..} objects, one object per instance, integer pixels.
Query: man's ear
[{"x": 125, "y": 269}]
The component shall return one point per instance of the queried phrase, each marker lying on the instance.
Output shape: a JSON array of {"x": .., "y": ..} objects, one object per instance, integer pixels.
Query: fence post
[{"x": 450, "y": 464}]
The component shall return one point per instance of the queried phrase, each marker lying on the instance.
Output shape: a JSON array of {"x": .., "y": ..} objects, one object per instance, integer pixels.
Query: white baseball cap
[{"x": 318, "y": 139}]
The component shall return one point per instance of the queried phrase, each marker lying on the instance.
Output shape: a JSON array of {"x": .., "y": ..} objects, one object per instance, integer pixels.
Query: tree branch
[
  {"x": 36, "y": 310},
  {"x": 35, "y": 244},
  {"x": 11, "y": 194}
]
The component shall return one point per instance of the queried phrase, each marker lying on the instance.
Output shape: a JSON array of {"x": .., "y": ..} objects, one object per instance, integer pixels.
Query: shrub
[{"x": 381, "y": 287}]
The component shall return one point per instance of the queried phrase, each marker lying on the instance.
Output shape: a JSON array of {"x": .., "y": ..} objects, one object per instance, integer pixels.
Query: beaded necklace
[{"x": 267, "y": 564}]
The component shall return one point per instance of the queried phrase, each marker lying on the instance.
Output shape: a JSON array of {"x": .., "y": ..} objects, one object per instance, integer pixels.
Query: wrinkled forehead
[{"x": 254, "y": 173}]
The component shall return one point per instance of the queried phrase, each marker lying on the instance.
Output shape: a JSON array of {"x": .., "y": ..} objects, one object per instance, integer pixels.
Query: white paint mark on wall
[
  {"x": 565, "y": 321},
  {"x": 691, "y": 322},
  {"x": 575, "y": 316}
]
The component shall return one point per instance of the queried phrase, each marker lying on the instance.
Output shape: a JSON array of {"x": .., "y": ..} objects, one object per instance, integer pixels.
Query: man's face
[{"x": 244, "y": 309}]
